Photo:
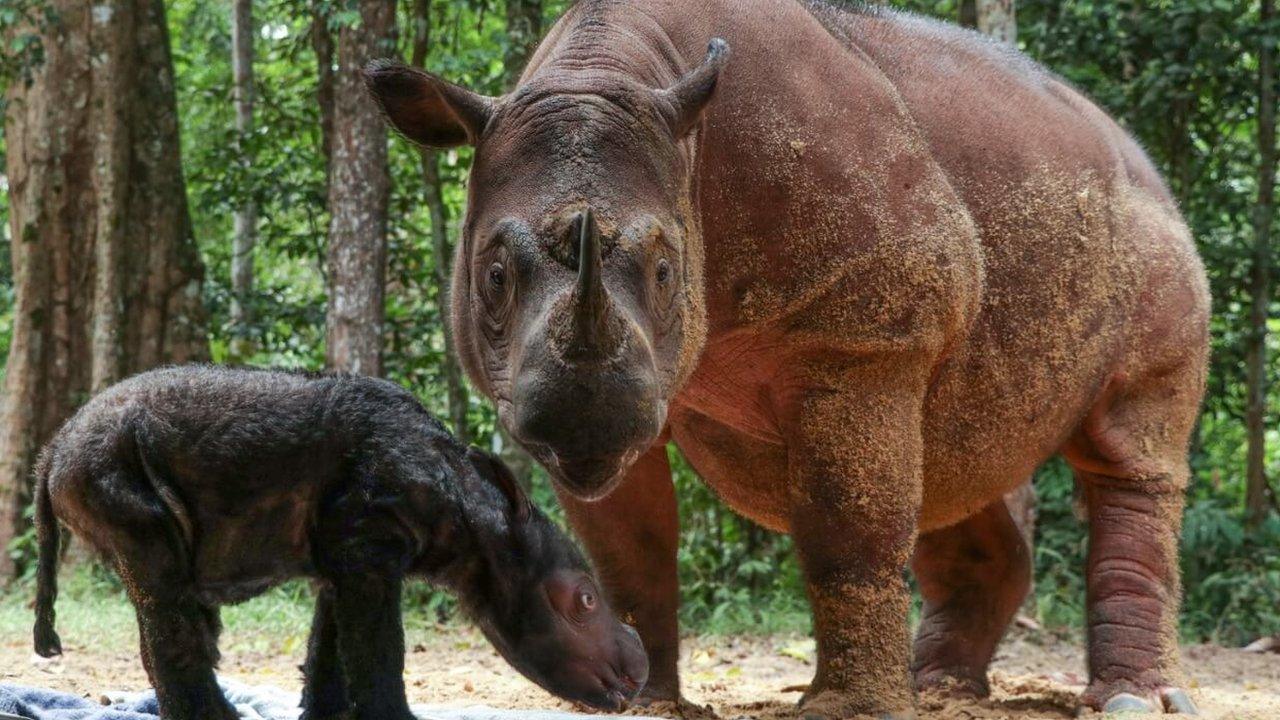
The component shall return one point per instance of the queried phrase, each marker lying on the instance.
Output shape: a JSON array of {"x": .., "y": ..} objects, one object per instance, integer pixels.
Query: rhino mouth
[{"x": 589, "y": 478}]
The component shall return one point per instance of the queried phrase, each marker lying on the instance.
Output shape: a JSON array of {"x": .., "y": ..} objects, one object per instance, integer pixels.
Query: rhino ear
[
  {"x": 496, "y": 472},
  {"x": 426, "y": 109},
  {"x": 691, "y": 93}
]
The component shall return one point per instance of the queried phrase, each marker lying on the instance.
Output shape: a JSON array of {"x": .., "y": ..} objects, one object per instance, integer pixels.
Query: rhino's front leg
[
  {"x": 854, "y": 449},
  {"x": 632, "y": 536}
]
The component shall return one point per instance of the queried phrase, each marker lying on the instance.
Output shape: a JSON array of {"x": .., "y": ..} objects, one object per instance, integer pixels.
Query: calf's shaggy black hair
[{"x": 204, "y": 486}]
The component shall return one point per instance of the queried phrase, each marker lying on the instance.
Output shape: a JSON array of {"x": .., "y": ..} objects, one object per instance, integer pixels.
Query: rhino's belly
[
  {"x": 749, "y": 474},
  {"x": 1009, "y": 398},
  {"x": 996, "y": 411}
]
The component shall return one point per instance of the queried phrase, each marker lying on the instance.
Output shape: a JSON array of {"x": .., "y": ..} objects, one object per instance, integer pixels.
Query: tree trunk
[
  {"x": 322, "y": 44},
  {"x": 359, "y": 188},
  {"x": 1256, "y": 500},
  {"x": 442, "y": 253},
  {"x": 246, "y": 217},
  {"x": 524, "y": 31},
  {"x": 107, "y": 277},
  {"x": 441, "y": 249},
  {"x": 969, "y": 13},
  {"x": 998, "y": 18}
]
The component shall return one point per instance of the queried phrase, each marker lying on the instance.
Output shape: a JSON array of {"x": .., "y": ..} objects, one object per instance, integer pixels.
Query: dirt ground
[{"x": 1035, "y": 676}]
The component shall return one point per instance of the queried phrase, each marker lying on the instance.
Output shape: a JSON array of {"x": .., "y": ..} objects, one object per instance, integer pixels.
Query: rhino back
[{"x": 874, "y": 179}]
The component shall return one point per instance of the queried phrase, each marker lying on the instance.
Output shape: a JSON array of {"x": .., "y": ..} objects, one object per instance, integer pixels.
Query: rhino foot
[
  {"x": 954, "y": 683},
  {"x": 1170, "y": 700},
  {"x": 829, "y": 705},
  {"x": 679, "y": 708}
]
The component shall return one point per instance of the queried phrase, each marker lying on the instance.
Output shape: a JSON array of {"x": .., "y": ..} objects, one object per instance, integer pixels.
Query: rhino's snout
[{"x": 586, "y": 422}]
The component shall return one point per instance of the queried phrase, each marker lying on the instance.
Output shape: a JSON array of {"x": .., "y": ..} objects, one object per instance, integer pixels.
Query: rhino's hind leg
[
  {"x": 1130, "y": 458},
  {"x": 973, "y": 577},
  {"x": 1133, "y": 593}
]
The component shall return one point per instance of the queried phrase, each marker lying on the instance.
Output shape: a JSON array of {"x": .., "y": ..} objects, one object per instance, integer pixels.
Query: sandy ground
[{"x": 1035, "y": 676}]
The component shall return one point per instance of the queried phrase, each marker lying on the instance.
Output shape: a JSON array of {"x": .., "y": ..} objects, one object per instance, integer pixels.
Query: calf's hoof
[
  {"x": 1170, "y": 700},
  {"x": 829, "y": 705}
]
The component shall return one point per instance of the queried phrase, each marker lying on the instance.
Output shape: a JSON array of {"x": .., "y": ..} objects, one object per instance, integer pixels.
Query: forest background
[{"x": 193, "y": 180}]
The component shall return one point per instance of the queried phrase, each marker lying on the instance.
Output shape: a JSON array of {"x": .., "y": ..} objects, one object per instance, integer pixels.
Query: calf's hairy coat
[{"x": 204, "y": 486}]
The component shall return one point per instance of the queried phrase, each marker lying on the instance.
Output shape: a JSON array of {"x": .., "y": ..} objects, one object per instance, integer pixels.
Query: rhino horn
[{"x": 592, "y": 306}]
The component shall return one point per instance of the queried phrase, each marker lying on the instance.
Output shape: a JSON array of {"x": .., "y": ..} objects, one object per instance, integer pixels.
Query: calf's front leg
[
  {"x": 854, "y": 460},
  {"x": 366, "y": 611}
]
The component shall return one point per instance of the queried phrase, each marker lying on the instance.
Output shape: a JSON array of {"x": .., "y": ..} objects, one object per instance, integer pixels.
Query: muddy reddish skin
[{"x": 867, "y": 274}]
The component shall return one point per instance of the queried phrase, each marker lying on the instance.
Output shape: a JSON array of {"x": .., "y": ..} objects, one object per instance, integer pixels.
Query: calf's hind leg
[
  {"x": 973, "y": 577},
  {"x": 178, "y": 633},
  {"x": 180, "y": 641}
]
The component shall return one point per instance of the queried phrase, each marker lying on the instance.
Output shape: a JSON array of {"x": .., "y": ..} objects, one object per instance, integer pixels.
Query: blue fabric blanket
[
  {"x": 39, "y": 704},
  {"x": 253, "y": 703}
]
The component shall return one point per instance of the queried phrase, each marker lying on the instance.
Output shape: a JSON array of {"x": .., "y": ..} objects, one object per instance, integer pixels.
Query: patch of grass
[{"x": 94, "y": 611}]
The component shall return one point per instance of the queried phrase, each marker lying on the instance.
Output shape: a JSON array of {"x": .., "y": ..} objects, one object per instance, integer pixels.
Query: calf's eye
[
  {"x": 587, "y": 600},
  {"x": 497, "y": 275}
]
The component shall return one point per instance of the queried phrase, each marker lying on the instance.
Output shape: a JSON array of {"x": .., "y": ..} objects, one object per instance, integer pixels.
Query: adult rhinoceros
[{"x": 867, "y": 276}]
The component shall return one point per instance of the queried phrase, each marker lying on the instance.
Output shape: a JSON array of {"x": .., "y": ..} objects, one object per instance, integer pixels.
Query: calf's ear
[
  {"x": 495, "y": 471},
  {"x": 427, "y": 110},
  {"x": 684, "y": 102}
]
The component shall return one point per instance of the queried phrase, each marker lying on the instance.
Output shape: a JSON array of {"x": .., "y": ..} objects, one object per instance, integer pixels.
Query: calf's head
[
  {"x": 535, "y": 598},
  {"x": 578, "y": 285}
]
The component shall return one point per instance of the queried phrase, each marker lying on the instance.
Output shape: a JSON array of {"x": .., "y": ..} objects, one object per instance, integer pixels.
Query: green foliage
[
  {"x": 1231, "y": 577},
  {"x": 734, "y": 575},
  {"x": 1060, "y": 548},
  {"x": 21, "y": 50}
]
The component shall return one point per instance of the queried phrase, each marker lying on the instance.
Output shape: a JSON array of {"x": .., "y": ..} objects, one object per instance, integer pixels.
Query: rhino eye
[
  {"x": 664, "y": 270},
  {"x": 497, "y": 275}
]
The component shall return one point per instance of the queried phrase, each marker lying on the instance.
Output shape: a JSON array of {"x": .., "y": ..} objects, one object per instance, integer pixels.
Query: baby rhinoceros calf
[{"x": 205, "y": 486}]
